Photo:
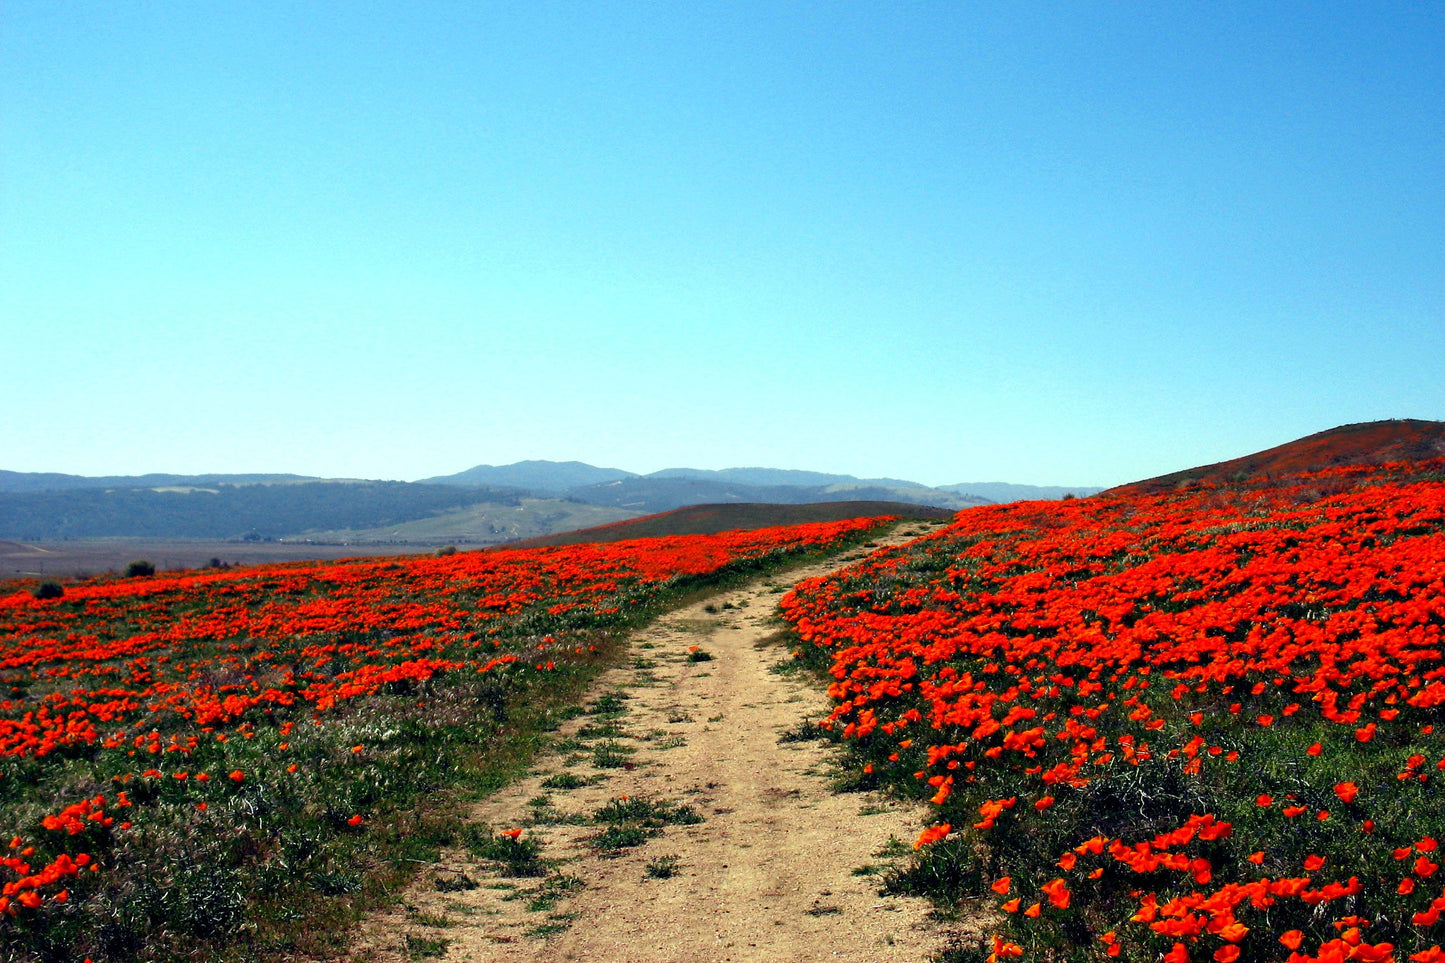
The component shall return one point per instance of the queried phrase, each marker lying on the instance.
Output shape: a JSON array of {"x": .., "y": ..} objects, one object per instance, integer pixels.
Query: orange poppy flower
[{"x": 1058, "y": 893}]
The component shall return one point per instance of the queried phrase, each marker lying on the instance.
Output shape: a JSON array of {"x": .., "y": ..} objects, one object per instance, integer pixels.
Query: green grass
[
  {"x": 509, "y": 857},
  {"x": 611, "y": 704},
  {"x": 631, "y": 822},
  {"x": 564, "y": 780},
  {"x": 662, "y": 867},
  {"x": 424, "y": 918},
  {"x": 646, "y": 812},
  {"x": 554, "y": 888},
  {"x": 610, "y": 729},
  {"x": 806, "y": 731},
  {"x": 454, "y": 882},
  {"x": 610, "y": 754},
  {"x": 424, "y": 948},
  {"x": 613, "y": 839},
  {"x": 273, "y": 869},
  {"x": 556, "y": 923}
]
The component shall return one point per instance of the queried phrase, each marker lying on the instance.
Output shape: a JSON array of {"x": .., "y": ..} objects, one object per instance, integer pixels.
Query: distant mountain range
[
  {"x": 552, "y": 477},
  {"x": 677, "y": 487},
  {"x": 1003, "y": 492},
  {"x": 49, "y": 481},
  {"x": 226, "y": 511},
  {"x": 498, "y": 503},
  {"x": 482, "y": 505}
]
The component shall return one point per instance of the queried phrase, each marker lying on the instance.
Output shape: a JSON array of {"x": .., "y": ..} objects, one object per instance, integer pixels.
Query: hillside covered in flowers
[{"x": 1194, "y": 724}]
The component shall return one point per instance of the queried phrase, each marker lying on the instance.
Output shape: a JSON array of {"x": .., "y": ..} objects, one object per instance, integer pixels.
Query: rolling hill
[
  {"x": 648, "y": 495},
  {"x": 259, "y": 511},
  {"x": 49, "y": 481},
  {"x": 485, "y": 504},
  {"x": 676, "y": 487},
  {"x": 710, "y": 519},
  {"x": 1002, "y": 492},
  {"x": 1367, "y": 443},
  {"x": 537, "y": 476}
]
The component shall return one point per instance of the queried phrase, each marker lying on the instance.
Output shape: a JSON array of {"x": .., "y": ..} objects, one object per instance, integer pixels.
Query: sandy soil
[{"x": 780, "y": 869}]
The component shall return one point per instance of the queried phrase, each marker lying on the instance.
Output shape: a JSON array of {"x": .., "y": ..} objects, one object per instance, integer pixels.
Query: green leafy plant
[{"x": 662, "y": 867}]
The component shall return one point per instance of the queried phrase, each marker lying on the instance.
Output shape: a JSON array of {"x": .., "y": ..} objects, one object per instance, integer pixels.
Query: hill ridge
[{"x": 1359, "y": 443}]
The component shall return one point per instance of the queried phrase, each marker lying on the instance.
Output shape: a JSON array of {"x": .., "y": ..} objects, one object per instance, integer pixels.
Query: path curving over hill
[{"x": 778, "y": 868}]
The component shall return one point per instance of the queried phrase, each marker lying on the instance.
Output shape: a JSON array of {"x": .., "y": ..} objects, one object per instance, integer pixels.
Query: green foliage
[
  {"x": 610, "y": 704},
  {"x": 615, "y": 838},
  {"x": 610, "y": 754},
  {"x": 510, "y": 855},
  {"x": 564, "y": 780},
  {"x": 274, "y": 867},
  {"x": 662, "y": 867},
  {"x": 454, "y": 882},
  {"x": 139, "y": 569},
  {"x": 425, "y": 948},
  {"x": 552, "y": 889},
  {"x": 646, "y": 812}
]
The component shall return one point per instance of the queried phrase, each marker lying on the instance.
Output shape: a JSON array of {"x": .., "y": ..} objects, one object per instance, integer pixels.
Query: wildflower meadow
[
  {"x": 1197, "y": 725},
  {"x": 231, "y": 764}
]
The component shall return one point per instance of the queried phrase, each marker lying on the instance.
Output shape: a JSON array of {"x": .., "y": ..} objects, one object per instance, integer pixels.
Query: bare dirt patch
[{"x": 677, "y": 819}]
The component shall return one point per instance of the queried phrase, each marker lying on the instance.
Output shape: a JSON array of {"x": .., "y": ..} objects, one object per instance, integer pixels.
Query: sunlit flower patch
[
  {"x": 1198, "y": 725},
  {"x": 178, "y": 750}
]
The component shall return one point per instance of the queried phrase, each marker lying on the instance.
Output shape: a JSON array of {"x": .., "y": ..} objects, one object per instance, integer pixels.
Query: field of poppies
[
  {"x": 1197, "y": 725},
  {"x": 205, "y": 765}
]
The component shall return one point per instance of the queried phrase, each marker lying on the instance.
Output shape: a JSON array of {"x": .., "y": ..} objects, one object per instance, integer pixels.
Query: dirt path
[{"x": 778, "y": 868}]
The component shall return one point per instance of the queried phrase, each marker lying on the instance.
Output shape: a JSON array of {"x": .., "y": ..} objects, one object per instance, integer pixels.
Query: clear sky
[{"x": 1052, "y": 243}]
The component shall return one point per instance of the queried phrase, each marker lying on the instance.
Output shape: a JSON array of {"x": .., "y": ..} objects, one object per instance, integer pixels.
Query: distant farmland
[{"x": 99, "y": 555}]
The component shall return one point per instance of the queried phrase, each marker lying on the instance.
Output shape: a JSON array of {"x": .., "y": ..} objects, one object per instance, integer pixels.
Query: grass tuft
[{"x": 663, "y": 867}]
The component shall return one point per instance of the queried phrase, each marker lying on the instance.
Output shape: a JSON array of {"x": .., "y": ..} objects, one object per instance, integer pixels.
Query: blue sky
[{"x": 1051, "y": 243}]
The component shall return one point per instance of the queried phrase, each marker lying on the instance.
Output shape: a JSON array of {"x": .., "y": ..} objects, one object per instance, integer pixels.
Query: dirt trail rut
[{"x": 779, "y": 868}]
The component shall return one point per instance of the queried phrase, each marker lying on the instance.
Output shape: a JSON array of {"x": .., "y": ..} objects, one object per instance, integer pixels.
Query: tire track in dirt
[{"x": 779, "y": 868}]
